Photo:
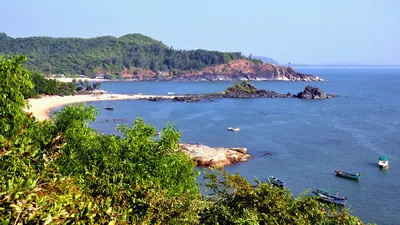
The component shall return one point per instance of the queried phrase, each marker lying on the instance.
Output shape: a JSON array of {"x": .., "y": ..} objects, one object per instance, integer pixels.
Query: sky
[{"x": 297, "y": 31}]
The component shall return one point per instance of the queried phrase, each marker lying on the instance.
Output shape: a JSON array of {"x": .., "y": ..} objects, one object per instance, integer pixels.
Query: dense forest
[
  {"x": 64, "y": 172},
  {"x": 109, "y": 55}
]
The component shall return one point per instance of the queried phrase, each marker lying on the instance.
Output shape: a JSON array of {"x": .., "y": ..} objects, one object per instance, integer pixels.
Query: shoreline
[
  {"x": 41, "y": 107},
  {"x": 69, "y": 80},
  {"x": 201, "y": 155}
]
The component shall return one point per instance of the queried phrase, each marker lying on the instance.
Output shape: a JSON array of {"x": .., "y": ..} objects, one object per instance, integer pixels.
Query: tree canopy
[{"x": 108, "y": 55}]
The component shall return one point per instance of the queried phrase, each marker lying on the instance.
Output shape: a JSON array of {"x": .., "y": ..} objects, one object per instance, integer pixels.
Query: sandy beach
[
  {"x": 41, "y": 107},
  {"x": 79, "y": 79}
]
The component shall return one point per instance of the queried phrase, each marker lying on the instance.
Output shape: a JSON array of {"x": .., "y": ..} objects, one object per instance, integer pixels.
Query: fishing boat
[
  {"x": 109, "y": 107},
  {"x": 233, "y": 128},
  {"x": 275, "y": 181},
  {"x": 325, "y": 196},
  {"x": 383, "y": 162},
  {"x": 347, "y": 175}
]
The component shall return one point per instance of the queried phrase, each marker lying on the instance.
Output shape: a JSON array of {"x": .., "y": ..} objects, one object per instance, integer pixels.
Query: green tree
[{"x": 15, "y": 83}]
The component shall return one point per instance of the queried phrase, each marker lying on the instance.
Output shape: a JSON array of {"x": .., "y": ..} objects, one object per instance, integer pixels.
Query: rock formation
[
  {"x": 314, "y": 93},
  {"x": 247, "y": 90},
  {"x": 206, "y": 156},
  {"x": 203, "y": 155},
  {"x": 246, "y": 70}
]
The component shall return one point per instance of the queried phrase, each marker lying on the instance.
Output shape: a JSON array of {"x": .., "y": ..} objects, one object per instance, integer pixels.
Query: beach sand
[
  {"x": 42, "y": 107},
  {"x": 78, "y": 79}
]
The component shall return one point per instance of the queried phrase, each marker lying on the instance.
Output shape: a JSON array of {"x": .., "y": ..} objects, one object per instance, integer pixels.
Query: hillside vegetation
[
  {"x": 127, "y": 54},
  {"x": 64, "y": 172}
]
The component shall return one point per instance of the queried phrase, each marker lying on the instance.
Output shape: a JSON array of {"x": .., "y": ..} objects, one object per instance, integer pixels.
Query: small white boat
[
  {"x": 171, "y": 93},
  {"x": 233, "y": 128},
  {"x": 383, "y": 162}
]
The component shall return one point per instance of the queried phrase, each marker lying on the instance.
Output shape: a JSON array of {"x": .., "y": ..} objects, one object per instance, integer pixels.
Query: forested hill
[{"x": 130, "y": 54}]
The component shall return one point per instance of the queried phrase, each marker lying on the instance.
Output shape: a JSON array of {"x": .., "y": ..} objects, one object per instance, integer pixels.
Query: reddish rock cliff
[
  {"x": 247, "y": 70},
  {"x": 235, "y": 70}
]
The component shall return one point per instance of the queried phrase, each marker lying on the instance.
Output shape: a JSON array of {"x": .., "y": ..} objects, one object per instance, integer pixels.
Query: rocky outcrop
[
  {"x": 242, "y": 69},
  {"x": 235, "y": 70},
  {"x": 203, "y": 155},
  {"x": 247, "y": 90},
  {"x": 314, "y": 93},
  {"x": 191, "y": 98}
]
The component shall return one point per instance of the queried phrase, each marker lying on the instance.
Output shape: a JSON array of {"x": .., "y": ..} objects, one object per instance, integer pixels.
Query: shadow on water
[
  {"x": 347, "y": 179},
  {"x": 322, "y": 142},
  {"x": 373, "y": 164},
  {"x": 266, "y": 154},
  {"x": 270, "y": 113},
  {"x": 383, "y": 169}
]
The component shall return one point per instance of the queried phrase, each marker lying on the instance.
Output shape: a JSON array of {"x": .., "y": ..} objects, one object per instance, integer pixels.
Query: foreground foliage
[
  {"x": 64, "y": 172},
  {"x": 236, "y": 201}
]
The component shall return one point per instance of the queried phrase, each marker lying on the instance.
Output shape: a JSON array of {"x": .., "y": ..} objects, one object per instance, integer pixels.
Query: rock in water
[
  {"x": 247, "y": 90},
  {"x": 311, "y": 93},
  {"x": 206, "y": 156}
]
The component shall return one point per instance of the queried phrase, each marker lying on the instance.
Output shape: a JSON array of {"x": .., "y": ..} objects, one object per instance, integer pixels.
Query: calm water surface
[{"x": 309, "y": 138}]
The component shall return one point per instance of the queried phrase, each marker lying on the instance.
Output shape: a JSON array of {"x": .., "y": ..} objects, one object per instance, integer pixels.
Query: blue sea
[{"x": 308, "y": 139}]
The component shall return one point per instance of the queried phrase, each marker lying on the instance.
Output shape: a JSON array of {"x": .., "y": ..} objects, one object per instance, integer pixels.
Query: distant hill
[
  {"x": 266, "y": 59},
  {"x": 136, "y": 56},
  {"x": 130, "y": 53}
]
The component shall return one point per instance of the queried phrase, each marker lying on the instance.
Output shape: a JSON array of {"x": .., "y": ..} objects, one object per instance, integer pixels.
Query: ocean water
[{"x": 309, "y": 139}]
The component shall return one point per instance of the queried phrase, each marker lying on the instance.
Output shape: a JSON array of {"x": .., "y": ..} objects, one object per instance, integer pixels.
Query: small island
[{"x": 247, "y": 90}]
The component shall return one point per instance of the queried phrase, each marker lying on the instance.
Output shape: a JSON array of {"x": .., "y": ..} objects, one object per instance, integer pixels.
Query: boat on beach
[
  {"x": 275, "y": 181},
  {"x": 233, "y": 128},
  {"x": 383, "y": 162},
  {"x": 109, "y": 107},
  {"x": 353, "y": 176},
  {"x": 325, "y": 196}
]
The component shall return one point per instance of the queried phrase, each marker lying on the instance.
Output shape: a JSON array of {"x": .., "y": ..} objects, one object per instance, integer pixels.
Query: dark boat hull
[
  {"x": 347, "y": 175},
  {"x": 275, "y": 181},
  {"x": 325, "y": 197}
]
